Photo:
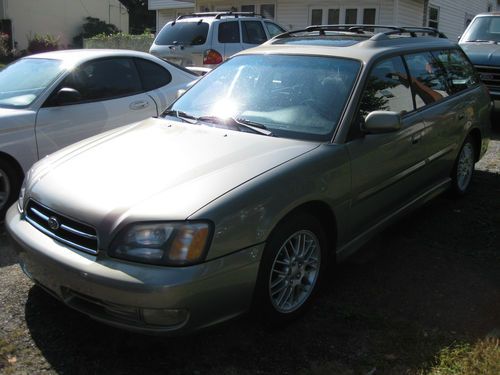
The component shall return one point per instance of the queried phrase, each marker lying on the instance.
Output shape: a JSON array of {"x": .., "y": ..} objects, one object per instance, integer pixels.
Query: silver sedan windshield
[
  {"x": 292, "y": 96},
  {"x": 23, "y": 81}
]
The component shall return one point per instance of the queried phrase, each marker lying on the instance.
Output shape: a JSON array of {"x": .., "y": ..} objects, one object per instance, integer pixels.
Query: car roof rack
[
  {"x": 363, "y": 29},
  {"x": 218, "y": 15}
]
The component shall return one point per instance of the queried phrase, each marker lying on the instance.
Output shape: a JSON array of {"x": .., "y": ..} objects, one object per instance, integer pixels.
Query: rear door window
[
  {"x": 253, "y": 32},
  {"x": 229, "y": 32},
  {"x": 183, "y": 33},
  {"x": 461, "y": 74},
  {"x": 428, "y": 78}
]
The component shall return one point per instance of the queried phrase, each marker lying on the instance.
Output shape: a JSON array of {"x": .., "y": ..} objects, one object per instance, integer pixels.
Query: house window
[
  {"x": 433, "y": 18},
  {"x": 333, "y": 16},
  {"x": 267, "y": 11},
  {"x": 369, "y": 16},
  {"x": 324, "y": 15},
  {"x": 351, "y": 16},
  {"x": 316, "y": 16},
  {"x": 248, "y": 8}
]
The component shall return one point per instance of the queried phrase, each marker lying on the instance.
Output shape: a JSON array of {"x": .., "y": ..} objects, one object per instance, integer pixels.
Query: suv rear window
[{"x": 186, "y": 33}]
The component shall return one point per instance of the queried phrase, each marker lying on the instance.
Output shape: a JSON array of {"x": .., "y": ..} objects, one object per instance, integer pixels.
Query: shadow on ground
[{"x": 429, "y": 281}]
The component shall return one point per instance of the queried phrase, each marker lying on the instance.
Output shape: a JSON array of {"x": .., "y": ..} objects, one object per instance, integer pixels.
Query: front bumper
[{"x": 132, "y": 295}]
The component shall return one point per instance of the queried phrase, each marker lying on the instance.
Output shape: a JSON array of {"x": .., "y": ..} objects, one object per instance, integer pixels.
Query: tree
[{"x": 140, "y": 18}]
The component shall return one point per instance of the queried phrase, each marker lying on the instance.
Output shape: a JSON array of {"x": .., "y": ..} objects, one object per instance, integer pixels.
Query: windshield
[
  {"x": 183, "y": 33},
  {"x": 293, "y": 96},
  {"x": 23, "y": 81},
  {"x": 484, "y": 29}
]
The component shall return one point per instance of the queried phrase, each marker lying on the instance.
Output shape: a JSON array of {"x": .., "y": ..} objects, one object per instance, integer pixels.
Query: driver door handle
[{"x": 139, "y": 105}]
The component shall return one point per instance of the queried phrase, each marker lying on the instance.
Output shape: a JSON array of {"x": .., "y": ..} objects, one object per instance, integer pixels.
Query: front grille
[
  {"x": 490, "y": 75},
  {"x": 68, "y": 231}
]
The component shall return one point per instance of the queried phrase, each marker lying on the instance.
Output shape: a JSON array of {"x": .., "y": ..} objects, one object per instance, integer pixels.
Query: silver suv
[
  {"x": 281, "y": 160},
  {"x": 207, "y": 39}
]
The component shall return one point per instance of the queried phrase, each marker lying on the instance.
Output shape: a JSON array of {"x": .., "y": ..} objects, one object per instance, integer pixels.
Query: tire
[
  {"x": 291, "y": 270},
  {"x": 10, "y": 183},
  {"x": 463, "y": 170}
]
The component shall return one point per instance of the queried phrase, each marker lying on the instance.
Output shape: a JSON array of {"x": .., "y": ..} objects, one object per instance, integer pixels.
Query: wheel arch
[
  {"x": 326, "y": 216},
  {"x": 15, "y": 164},
  {"x": 476, "y": 136}
]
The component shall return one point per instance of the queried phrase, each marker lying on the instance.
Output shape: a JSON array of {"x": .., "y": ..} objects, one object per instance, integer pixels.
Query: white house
[
  {"x": 60, "y": 18},
  {"x": 450, "y": 16}
]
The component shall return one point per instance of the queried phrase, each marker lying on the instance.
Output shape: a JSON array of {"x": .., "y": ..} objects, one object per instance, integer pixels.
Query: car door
[
  {"x": 228, "y": 40},
  {"x": 386, "y": 168},
  {"x": 449, "y": 73},
  {"x": 96, "y": 96},
  {"x": 252, "y": 34}
]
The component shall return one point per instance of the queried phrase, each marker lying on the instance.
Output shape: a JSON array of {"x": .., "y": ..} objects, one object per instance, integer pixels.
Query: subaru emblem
[{"x": 53, "y": 223}]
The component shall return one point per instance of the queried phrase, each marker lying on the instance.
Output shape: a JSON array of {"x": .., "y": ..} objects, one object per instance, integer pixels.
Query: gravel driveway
[{"x": 427, "y": 282}]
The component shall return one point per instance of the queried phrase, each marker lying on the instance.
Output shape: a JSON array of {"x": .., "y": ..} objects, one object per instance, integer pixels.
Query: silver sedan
[{"x": 50, "y": 100}]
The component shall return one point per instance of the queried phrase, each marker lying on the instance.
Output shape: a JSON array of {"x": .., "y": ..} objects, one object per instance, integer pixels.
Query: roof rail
[
  {"x": 216, "y": 15},
  {"x": 363, "y": 28}
]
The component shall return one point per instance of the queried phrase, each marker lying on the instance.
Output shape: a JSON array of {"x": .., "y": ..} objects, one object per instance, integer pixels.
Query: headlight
[
  {"x": 22, "y": 193},
  {"x": 176, "y": 243}
]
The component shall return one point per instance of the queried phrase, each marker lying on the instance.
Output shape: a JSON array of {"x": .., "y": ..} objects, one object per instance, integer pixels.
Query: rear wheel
[
  {"x": 10, "y": 183},
  {"x": 463, "y": 170},
  {"x": 291, "y": 269}
]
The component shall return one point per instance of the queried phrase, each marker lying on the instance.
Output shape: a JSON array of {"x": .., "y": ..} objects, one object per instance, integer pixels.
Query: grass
[
  {"x": 482, "y": 358},
  {"x": 2, "y": 65}
]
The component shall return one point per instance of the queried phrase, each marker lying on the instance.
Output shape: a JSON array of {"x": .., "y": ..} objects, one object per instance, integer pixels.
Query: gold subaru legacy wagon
[{"x": 285, "y": 158}]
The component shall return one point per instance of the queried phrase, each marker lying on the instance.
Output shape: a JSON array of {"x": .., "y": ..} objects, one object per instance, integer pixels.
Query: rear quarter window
[
  {"x": 229, "y": 32},
  {"x": 152, "y": 75},
  {"x": 461, "y": 74}
]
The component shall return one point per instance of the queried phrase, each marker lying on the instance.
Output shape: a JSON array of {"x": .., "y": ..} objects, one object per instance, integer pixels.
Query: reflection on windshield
[
  {"x": 484, "y": 29},
  {"x": 23, "y": 81},
  {"x": 292, "y": 96}
]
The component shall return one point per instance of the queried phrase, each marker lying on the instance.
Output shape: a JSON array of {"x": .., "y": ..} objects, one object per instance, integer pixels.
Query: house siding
[
  {"x": 409, "y": 13},
  {"x": 452, "y": 14},
  {"x": 60, "y": 18}
]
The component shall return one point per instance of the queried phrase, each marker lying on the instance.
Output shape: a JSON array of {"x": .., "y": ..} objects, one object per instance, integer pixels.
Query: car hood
[
  {"x": 482, "y": 53},
  {"x": 154, "y": 170}
]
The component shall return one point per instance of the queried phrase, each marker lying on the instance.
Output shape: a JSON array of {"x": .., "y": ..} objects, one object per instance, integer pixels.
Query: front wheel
[
  {"x": 291, "y": 269},
  {"x": 463, "y": 170},
  {"x": 10, "y": 183}
]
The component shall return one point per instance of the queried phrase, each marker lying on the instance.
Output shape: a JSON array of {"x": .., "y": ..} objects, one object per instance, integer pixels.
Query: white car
[{"x": 51, "y": 100}]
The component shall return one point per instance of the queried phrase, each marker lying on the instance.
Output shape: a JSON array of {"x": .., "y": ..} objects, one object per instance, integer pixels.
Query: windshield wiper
[
  {"x": 238, "y": 123},
  {"x": 182, "y": 115}
]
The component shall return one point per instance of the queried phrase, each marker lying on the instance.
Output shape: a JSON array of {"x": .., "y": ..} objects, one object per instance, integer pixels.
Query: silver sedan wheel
[
  {"x": 465, "y": 166},
  {"x": 295, "y": 271},
  {"x": 4, "y": 188}
]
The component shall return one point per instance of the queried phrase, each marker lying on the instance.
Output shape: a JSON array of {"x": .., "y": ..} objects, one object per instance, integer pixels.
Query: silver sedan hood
[{"x": 155, "y": 170}]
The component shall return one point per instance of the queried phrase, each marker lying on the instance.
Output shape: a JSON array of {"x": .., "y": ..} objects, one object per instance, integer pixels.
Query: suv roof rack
[
  {"x": 218, "y": 15},
  {"x": 363, "y": 28}
]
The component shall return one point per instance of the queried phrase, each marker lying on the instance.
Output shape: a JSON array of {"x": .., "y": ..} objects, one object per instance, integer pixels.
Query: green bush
[
  {"x": 92, "y": 27},
  {"x": 42, "y": 43},
  {"x": 4, "y": 46},
  {"x": 121, "y": 41}
]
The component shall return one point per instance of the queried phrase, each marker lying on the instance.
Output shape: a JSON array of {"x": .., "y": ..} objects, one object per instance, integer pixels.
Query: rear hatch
[{"x": 182, "y": 42}]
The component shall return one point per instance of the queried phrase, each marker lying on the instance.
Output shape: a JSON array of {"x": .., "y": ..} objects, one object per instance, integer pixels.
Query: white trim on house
[{"x": 169, "y": 4}]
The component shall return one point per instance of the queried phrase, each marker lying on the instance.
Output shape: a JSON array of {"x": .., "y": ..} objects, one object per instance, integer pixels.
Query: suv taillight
[{"x": 211, "y": 57}]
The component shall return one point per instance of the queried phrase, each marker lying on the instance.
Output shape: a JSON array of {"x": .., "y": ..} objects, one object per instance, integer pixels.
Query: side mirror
[
  {"x": 458, "y": 37},
  {"x": 382, "y": 122},
  {"x": 67, "y": 95}
]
